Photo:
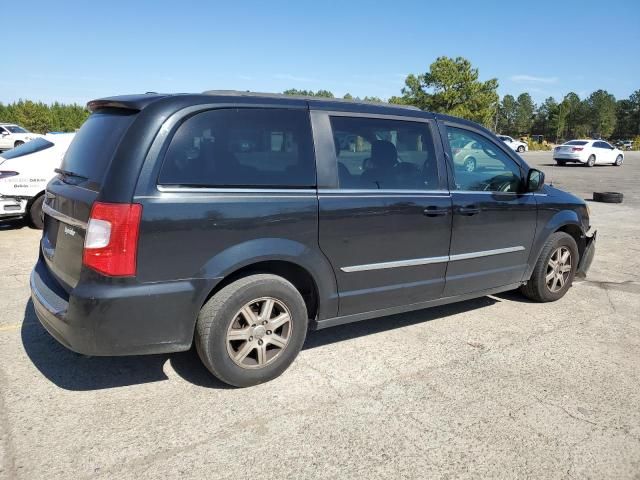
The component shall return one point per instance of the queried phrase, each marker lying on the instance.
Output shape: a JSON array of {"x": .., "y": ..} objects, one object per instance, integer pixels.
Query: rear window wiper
[{"x": 68, "y": 173}]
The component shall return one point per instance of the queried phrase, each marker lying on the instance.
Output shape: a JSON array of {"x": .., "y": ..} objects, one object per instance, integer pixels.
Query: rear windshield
[
  {"x": 576, "y": 142},
  {"x": 36, "y": 145},
  {"x": 93, "y": 146}
]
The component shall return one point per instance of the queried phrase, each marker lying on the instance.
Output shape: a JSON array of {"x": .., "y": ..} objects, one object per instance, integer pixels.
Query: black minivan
[{"x": 239, "y": 220}]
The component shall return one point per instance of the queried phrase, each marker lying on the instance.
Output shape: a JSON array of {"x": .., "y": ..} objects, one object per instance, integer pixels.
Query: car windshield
[
  {"x": 15, "y": 129},
  {"x": 33, "y": 146},
  {"x": 576, "y": 142}
]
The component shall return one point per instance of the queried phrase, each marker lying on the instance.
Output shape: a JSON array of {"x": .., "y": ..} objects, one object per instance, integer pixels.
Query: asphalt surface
[{"x": 494, "y": 387}]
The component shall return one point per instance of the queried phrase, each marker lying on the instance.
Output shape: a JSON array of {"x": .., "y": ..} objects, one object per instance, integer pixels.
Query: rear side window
[
  {"x": 95, "y": 143},
  {"x": 375, "y": 153},
  {"x": 242, "y": 148},
  {"x": 35, "y": 145}
]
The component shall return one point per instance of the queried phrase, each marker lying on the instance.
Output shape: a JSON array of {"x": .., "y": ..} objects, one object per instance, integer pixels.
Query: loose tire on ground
[
  {"x": 35, "y": 213},
  {"x": 608, "y": 197},
  {"x": 537, "y": 288},
  {"x": 223, "y": 312}
]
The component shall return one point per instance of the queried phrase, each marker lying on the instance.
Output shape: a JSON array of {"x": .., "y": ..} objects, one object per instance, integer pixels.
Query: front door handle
[
  {"x": 469, "y": 210},
  {"x": 435, "y": 211}
]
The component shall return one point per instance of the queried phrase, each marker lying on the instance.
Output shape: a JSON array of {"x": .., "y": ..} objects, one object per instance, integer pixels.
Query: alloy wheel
[
  {"x": 558, "y": 269},
  {"x": 259, "y": 333}
]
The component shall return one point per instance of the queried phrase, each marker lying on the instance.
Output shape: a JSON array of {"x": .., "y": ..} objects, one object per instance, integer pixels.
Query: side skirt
[{"x": 356, "y": 317}]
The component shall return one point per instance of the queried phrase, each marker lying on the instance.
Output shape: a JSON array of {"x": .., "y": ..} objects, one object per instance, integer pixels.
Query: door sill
[{"x": 357, "y": 317}]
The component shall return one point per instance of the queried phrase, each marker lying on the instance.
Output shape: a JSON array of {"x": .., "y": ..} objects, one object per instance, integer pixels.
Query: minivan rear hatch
[{"x": 71, "y": 194}]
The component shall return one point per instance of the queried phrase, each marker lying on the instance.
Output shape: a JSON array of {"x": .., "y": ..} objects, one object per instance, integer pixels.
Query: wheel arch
[
  {"x": 31, "y": 200},
  {"x": 308, "y": 270},
  {"x": 566, "y": 221}
]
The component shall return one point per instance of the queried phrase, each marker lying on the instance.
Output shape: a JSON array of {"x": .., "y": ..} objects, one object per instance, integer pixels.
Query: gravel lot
[{"x": 494, "y": 387}]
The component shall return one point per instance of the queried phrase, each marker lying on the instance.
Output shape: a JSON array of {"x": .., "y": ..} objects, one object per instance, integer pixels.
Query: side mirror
[
  {"x": 535, "y": 180},
  {"x": 4, "y": 134}
]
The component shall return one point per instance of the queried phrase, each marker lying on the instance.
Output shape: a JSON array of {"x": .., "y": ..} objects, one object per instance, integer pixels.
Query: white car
[
  {"x": 12, "y": 136},
  {"x": 516, "y": 145},
  {"x": 588, "y": 152},
  {"x": 24, "y": 174}
]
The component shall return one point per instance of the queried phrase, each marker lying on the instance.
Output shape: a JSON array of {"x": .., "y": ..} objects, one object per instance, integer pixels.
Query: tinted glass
[
  {"x": 384, "y": 154},
  {"x": 480, "y": 165},
  {"x": 92, "y": 148},
  {"x": 16, "y": 129},
  {"x": 576, "y": 142},
  {"x": 242, "y": 148},
  {"x": 35, "y": 145}
]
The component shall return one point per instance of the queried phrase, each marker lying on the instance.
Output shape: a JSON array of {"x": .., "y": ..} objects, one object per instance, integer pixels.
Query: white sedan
[
  {"x": 515, "y": 145},
  {"x": 12, "y": 136},
  {"x": 24, "y": 174},
  {"x": 588, "y": 152}
]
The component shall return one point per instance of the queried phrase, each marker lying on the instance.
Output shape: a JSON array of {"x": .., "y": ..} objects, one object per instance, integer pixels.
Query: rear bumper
[
  {"x": 568, "y": 158},
  {"x": 116, "y": 319},
  {"x": 587, "y": 256}
]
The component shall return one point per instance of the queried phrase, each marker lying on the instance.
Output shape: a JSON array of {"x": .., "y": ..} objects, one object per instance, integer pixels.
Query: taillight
[
  {"x": 111, "y": 242},
  {"x": 577, "y": 149},
  {"x": 7, "y": 174}
]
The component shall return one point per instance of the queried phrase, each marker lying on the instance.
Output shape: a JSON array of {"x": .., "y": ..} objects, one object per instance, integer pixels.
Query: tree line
[
  {"x": 451, "y": 86},
  {"x": 40, "y": 117}
]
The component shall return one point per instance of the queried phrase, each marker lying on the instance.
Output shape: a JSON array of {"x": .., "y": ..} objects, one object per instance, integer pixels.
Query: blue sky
[{"x": 75, "y": 51}]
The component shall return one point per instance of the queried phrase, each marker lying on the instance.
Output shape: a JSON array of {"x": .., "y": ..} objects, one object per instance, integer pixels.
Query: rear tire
[
  {"x": 591, "y": 161},
  {"x": 233, "y": 338},
  {"x": 35, "y": 213},
  {"x": 545, "y": 284},
  {"x": 520, "y": 149}
]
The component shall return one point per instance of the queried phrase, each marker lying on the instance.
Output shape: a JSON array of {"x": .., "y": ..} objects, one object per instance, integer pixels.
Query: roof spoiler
[{"x": 126, "y": 102}]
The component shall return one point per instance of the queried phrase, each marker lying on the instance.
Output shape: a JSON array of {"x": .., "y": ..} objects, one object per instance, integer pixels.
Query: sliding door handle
[
  {"x": 469, "y": 210},
  {"x": 435, "y": 211}
]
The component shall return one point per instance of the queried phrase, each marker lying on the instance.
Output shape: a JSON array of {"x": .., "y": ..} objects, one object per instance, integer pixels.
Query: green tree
[
  {"x": 451, "y": 86},
  {"x": 602, "y": 108},
  {"x": 507, "y": 115},
  {"x": 348, "y": 96},
  {"x": 524, "y": 114}
]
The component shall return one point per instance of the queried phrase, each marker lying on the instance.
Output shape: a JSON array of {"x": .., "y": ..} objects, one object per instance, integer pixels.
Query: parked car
[
  {"x": 159, "y": 233},
  {"x": 516, "y": 145},
  {"x": 12, "y": 136},
  {"x": 588, "y": 152},
  {"x": 24, "y": 174},
  {"x": 470, "y": 155},
  {"x": 627, "y": 145}
]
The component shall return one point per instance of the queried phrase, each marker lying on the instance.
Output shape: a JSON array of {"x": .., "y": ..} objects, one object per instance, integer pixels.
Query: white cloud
[{"x": 532, "y": 79}]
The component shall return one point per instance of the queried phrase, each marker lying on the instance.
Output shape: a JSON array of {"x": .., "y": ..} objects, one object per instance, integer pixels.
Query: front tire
[
  {"x": 591, "y": 161},
  {"x": 618, "y": 161},
  {"x": 251, "y": 330},
  {"x": 18, "y": 143},
  {"x": 554, "y": 271},
  {"x": 35, "y": 213}
]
